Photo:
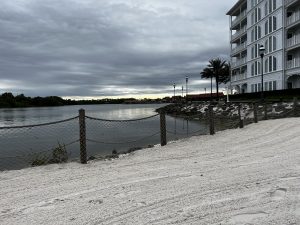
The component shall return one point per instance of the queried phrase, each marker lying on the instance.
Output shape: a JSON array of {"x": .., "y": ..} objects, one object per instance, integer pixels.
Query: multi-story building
[{"x": 275, "y": 24}]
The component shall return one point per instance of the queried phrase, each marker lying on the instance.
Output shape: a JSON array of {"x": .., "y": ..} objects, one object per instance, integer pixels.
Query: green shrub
[
  {"x": 59, "y": 154},
  {"x": 38, "y": 159}
]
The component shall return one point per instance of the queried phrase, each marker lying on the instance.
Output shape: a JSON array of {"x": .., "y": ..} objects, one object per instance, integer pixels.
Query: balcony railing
[
  {"x": 287, "y": 2},
  {"x": 293, "y": 18},
  {"x": 239, "y": 62},
  {"x": 239, "y": 76},
  {"x": 294, "y": 63},
  {"x": 239, "y": 32},
  {"x": 238, "y": 18},
  {"x": 239, "y": 48},
  {"x": 293, "y": 41}
]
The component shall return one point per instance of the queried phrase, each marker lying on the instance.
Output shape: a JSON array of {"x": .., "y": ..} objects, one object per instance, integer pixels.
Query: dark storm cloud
[{"x": 108, "y": 48}]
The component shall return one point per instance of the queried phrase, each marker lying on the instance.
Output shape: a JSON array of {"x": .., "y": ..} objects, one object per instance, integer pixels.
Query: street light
[
  {"x": 186, "y": 86},
  {"x": 262, "y": 53},
  {"x": 174, "y": 85}
]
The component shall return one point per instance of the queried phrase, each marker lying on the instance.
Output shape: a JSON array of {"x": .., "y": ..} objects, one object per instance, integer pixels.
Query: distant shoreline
[{"x": 8, "y": 100}]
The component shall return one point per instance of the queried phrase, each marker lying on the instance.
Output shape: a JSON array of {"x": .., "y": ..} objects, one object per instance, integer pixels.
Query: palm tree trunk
[
  {"x": 211, "y": 88},
  {"x": 217, "y": 86}
]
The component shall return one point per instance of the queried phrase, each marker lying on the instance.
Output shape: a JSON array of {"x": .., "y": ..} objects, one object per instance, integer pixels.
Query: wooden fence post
[
  {"x": 241, "y": 121},
  {"x": 82, "y": 136},
  {"x": 163, "y": 129},
  {"x": 211, "y": 120},
  {"x": 255, "y": 112}
]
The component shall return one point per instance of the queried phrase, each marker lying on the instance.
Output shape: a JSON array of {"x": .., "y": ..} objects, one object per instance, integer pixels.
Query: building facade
[{"x": 275, "y": 24}]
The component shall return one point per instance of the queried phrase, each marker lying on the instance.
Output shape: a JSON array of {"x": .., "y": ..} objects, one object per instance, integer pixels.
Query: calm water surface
[{"x": 18, "y": 146}]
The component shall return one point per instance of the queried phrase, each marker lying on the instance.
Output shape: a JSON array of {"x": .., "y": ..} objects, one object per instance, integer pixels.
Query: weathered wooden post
[
  {"x": 255, "y": 112},
  {"x": 241, "y": 121},
  {"x": 211, "y": 120},
  {"x": 82, "y": 136},
  {"x": 295, "y": 106},
  {"x": 265, "y": 111},
  {"x": 163, "y": 129}
]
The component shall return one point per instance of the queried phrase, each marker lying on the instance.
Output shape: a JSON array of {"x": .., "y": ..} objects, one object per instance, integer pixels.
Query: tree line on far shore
[{"x": 8, "y": 100}]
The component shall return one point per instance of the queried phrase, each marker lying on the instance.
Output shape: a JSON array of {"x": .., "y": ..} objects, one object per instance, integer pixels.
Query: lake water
[{"x": 18, "y": 146}]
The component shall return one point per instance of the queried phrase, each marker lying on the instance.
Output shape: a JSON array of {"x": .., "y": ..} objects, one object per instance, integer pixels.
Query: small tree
[{"x": 218, "y": 69}]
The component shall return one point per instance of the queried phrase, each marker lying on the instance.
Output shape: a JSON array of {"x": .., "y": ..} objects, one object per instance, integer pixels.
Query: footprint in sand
[
  {"x": 245, "y": 218},
  {"x": 278, "y": 194}
]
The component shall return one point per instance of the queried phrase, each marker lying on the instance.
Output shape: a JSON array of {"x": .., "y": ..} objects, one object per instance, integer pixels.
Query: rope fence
[{"x": 83, "y": 137}]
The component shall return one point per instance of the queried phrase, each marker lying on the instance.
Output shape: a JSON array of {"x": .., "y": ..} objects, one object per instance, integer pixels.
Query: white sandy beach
[{"x": 241, "y": 176}]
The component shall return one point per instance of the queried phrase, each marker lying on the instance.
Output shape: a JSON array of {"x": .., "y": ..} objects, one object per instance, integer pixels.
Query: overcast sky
[{"x": 100, "y": 48}]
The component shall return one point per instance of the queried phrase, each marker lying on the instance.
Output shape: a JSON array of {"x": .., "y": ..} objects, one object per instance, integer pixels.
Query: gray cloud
[{"x": 108, "y": 48}]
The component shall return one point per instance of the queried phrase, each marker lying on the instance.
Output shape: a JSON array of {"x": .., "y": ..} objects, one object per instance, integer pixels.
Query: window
[
  {"x": 274, "y": 6},
  {"x": 256, "y": 16},
  {"x": 252, "y": 87},
  {"x": 274, "y": 85},
  {"x": 255, "y": 68},
  {"x": 270, "y": 64},
  {"x": 266, "y": 65},
  {"x": 266, "y": 27},
  {"x": 266, "y": 86},
  {"x": 256, "y": 33},
  {"x": 267, "y": 46},
  {"x": 274, "y": 23},
  {"x": 274, "y": 43},
  {"x": 270, "y": 86},
  {"x": 255, "y": 51},
  {"x": 270, "y": 24},
  {"x": 255, "y": 87},
  {"x": 274, "y": 64},
  {"x": 270, "y": 44},
  {"x": 254, "y": 3},
  {"x": 259, "y": 86},
  {"x": 270, "y": 6}
]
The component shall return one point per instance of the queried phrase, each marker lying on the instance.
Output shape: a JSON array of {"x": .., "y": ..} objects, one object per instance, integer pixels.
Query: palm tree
[{"x": 218, "y": 69}]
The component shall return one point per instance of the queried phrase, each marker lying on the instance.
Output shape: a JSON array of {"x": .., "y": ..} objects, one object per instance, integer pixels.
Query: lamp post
[
  {"x": 182, "y": 91},
  {"x": 262, "y": 53},
  {"x": 174, "y": 85},
  {"x": 186, "y": 86}
]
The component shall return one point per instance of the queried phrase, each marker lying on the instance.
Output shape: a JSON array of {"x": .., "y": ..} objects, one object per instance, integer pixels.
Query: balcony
[
  {"x": 238, "y": 18},
  {"x": 239, "y": 32},
  {"x": 295, "y": 40},
  {"x": 295, "y": 17},
  {"x": 294, "y": 63},
  {"x": 288, "y": 2},
  {"x": 239, "y": 48},
  {"x": 239, "y": 62},
  {"x": 239, "y": 76}
]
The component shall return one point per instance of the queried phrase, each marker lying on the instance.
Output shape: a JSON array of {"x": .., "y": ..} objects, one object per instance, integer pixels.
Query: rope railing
[
  {"x": 126, "y": 142},
  {"x": 85, "y": 136},
  {"x": 131, "y": 120},
  {"x": 39, "y": 125},
  {"x": 40, "y": 152}
]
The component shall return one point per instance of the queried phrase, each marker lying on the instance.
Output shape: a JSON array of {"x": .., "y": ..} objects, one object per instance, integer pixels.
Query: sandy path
[{"x": 247, "y": 176}]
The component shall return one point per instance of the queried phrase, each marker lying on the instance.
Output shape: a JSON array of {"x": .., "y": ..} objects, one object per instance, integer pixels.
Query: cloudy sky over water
[{"x": 115, "y": 48}]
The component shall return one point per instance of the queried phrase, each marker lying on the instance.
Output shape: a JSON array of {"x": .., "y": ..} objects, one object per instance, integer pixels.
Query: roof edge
[{"x": 240, "y": 2}]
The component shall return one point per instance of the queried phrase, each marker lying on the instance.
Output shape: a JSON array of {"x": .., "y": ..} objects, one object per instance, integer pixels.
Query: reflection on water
[{"x": 34, "y": 115}]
